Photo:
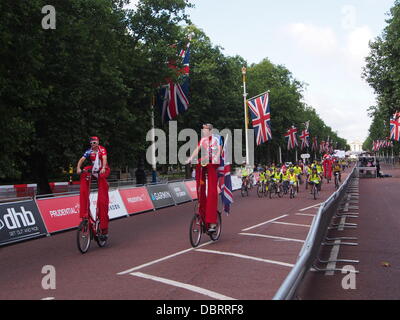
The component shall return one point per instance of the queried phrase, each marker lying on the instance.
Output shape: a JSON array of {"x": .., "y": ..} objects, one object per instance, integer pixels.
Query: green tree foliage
[
  {"x": 96, "y": 72},
  {"x": 382, "y": 72}
]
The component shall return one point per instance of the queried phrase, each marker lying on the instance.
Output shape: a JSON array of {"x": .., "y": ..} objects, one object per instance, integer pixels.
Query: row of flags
[
  {"x": 173, "y": 100},
  {"x": 260, "y": 112},
  {"x": 378, "y": 145}
]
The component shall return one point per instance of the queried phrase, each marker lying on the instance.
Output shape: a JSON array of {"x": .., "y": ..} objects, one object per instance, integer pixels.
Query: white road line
[
  {"x": 271, "y": 237},
  {"x": 333, "y": 257},
  {"x": 261, "y": 224},
  {"x": 246, "y": 257},
  {"x": 292, "y": 224},
  {"x": 306, "y": 214},
  {"x": 315, "y": 205},
  {"x": 49, "y": 298},
  {"x": 182, "y": 285},
  {"x": 161, "y": 259}
]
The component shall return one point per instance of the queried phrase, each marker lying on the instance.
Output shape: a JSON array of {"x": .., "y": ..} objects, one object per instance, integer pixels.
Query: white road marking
[
  {"x": 261, "y": 224},
  {"x": 271, "y": 237},
  {"x": 306, "y": 214},
  {"x": 246, "y": 257},
  {"x": 292, "y": 224},
  {"x": 315, "y": 205},
  {"x": 182, "y": 285},
  {"x": 161, "y": 259},
  {"x": 49, "y": 298},
  {"x": 333, "y": 257}
]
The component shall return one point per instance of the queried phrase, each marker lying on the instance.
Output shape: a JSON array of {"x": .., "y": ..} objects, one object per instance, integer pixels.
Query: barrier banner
[
  {"x": 236, "y": 183},
  {"x": 179, "y": 192},
  {"x": 20, "y": 221},
  {"x": 160, "y": 195},
  {"x": 60, "y": 213},
  {"x": 136, "y": 200},
  {"x": 116, "y": 207},
  {"x": 191, "y": 187}
]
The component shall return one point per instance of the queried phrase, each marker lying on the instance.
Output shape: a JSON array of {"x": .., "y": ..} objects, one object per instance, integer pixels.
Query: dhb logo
[{"x": 15, "y": 220}]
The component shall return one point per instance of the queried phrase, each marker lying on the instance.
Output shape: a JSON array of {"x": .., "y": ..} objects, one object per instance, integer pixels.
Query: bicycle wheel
[
  {"x": 243, "y": 190},
  {"x": 260, "y": 190},
  {"x": 315, "y": 191},
  {"x": 83, "y": 236},
  {"x": 195, "y": 231},
  {"x": 215, "y": 235}
]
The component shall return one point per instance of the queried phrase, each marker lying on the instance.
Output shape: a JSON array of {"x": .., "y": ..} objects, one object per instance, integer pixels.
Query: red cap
[{"x": 94, "y": 139}]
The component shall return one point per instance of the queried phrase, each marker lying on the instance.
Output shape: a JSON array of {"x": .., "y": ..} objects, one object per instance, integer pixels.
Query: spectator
[{"x": 140, "y": 175}]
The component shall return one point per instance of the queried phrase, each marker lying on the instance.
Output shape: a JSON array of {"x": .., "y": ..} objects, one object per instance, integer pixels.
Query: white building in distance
[{"x": 356, "y": 146}]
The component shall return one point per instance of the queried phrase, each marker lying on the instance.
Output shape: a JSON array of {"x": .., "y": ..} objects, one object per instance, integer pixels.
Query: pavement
[{"x": 372, "y": 203}]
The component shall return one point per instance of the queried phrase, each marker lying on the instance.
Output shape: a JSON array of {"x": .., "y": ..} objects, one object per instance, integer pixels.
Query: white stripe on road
[
  {"x": 261, "y": 224},
  {"x": 293, "y": 224},
  {"x": 271, "y": 237},
  {"x": 160, "y": 260},
  {"x": 246, "y": 257},
  {"x": 306, "y": 214},
  {"x": 182, "y": 285},
  {"x": 310, "y": 207}
]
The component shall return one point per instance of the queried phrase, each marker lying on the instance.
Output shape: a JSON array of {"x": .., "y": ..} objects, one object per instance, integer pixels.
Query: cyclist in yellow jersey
[
  {"x": 315, "y": 178},
  {"x": 337, "y": 170},
  {"x": 293, "y": 177},
  {"x": 245, "y": 176},
  {"x": 285, "y": 180}
]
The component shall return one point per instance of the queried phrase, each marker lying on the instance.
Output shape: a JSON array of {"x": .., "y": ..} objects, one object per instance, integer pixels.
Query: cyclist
[
  {"x": 277, "y": 178},
  {"x": 298, "y": 171},
  {"x": 210, "y": 147},
  {"x": 245, "y": 176},
  {"x": 98, "y": 156},
  {"x": 315, "y": 178},
  {"x": 293, "y": 178},
  {"x": 285, "y": 180},
  {"x": 263, "y": 179},
  {"x": 337, "y": 170}
]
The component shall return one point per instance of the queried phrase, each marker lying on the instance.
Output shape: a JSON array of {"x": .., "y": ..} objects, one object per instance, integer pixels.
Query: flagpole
[
  {"x": 153, "y": 141},
  {"x": 245, "y": 114}
]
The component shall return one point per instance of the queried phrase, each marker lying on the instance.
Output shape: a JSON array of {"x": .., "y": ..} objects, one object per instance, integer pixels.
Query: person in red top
[
  {"x": 210, "y": 152},
  {"x": 98, "y": 156}
]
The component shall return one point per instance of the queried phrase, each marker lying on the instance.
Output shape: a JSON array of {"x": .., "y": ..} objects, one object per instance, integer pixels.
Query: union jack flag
[
  {"x": 395, "y": 127},
  {"x": 261, "y": 117},
  {"x": 315, "y": 144},
  {"x": 291, "y": 138},
  {"x": 173, "y": 97},
  {"x": 305, "y": 136},
  {"x": 225, "y": 181}
]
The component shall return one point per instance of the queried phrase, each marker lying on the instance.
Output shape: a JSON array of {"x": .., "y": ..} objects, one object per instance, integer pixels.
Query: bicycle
[
  {"x": 314, "y": 190},
  {"x": 244, "y": 190},
  {"x": 89, "y": 228},
  {"x": 274, "y": 189},
  {"x": 292, "y": 191},
  {"x": 198, "y": 227},
  {"x": 262, "y": 188},
  {"x": 336, "y": 174}
]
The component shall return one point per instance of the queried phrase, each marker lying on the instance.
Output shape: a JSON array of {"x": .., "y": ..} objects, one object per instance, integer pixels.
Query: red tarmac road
[
  {"x": 378, "y": 250},
  {"x": 149, "y": 255}
]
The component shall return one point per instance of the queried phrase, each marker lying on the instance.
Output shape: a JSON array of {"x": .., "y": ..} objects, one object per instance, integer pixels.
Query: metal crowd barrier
[{"x": 312, "y": 246}]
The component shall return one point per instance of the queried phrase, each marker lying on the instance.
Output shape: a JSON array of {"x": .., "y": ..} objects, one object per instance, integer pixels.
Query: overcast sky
[{"x": 323, "y": 43}]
